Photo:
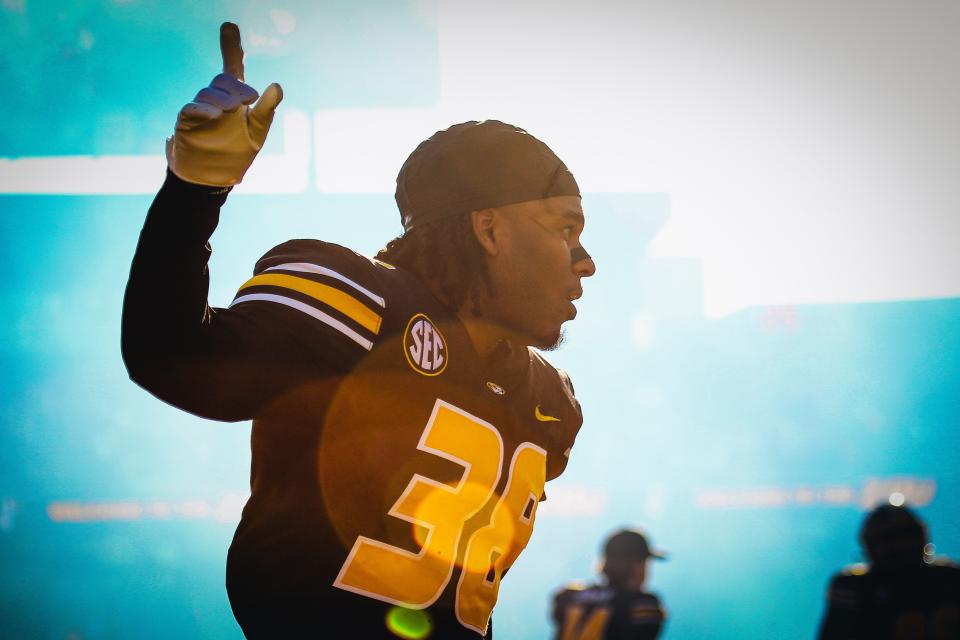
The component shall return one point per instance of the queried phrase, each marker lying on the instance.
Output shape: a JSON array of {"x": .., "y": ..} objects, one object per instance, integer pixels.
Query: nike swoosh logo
[{"x": 543, "y": 417}]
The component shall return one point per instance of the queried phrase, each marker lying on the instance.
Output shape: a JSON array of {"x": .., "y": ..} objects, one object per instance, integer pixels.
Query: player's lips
[{"x": 571, "y": 296}]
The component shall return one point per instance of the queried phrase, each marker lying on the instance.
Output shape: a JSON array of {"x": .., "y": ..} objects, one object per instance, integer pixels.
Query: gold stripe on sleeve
[{"x": 342, "y": 302}]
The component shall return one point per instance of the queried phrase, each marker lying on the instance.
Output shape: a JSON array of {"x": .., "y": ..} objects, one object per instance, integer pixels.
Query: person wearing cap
[
  {"x": 903, "y": 592},
  {"x": 619, "y": 607},
  {"x": 404, "y": 422}
]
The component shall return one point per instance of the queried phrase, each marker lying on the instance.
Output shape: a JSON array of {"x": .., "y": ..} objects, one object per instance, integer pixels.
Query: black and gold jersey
[
  {"x": 393, "y": 469},
  {"x": 915, "y": 602},
  {"x": 424, "y": 463},
  {"x": 602, "y": 612}
]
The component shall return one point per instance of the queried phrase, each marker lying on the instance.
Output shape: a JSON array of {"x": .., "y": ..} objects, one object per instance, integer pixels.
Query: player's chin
[{"x": 550, "y": 341}]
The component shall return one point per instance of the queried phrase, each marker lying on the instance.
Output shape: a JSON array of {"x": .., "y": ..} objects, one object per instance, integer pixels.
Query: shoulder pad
[
  {"x": 944, "y": 562},
  {"x": 537, "y": 360},
  {"x": 575, "y": 585},
  {"x": 554, "y": 395},
  {"x": 844, "y": 592},
  {"x": 311, "y": 251},
  {"x": 857, "y": 569},
  {"x": 567, "y": 383},
  {"x": 337, "y": 288}
]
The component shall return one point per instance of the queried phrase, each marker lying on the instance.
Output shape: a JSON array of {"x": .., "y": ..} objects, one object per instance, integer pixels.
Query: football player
[
  {"x": 619, "y": 607},
  {"x": 904, "y": 592},
  {"x": 403, "y": 425}
]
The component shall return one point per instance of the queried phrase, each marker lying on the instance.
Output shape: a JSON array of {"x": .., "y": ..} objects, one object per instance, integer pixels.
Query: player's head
[
  {"x": 492, "y": 220},
  {"x": 893, "y": 535},
  {"x": 625, "y": 556}
]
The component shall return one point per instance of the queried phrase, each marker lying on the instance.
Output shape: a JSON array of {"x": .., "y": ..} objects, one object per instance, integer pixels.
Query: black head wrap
[{"x": 478, "y": 165}]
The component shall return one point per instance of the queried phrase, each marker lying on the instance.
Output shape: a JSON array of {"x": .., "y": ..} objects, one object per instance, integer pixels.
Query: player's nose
[{"x": 583, "y": 264}]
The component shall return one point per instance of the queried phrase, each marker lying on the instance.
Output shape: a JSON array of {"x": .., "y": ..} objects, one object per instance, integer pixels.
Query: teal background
[{"x": 784, "y": 397}]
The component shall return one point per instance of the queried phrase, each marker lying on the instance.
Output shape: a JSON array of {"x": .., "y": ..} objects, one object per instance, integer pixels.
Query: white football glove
[{"x": 218, "y": 134}]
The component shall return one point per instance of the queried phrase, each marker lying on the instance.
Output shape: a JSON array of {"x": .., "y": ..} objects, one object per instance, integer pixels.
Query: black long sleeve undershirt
[{"x": 215, "y": 363}]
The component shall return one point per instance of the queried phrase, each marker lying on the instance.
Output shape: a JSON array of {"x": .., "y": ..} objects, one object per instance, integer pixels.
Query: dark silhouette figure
[
  {"x": 902, "y": 593},
  {"x": 619, "y": 607}
]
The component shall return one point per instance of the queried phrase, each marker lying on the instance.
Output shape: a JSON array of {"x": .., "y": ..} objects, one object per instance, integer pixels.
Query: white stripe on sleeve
[
  {"x": 306, "y": 267},
  {"x": 310, "y": 311}
]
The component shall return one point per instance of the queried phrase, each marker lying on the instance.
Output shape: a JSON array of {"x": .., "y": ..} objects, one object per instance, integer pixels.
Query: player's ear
[{"x": 486, "y": 225}]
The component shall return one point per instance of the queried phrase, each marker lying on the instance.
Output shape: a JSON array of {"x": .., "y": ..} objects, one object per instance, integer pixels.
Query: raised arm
[{"x": 214, "y": 363}]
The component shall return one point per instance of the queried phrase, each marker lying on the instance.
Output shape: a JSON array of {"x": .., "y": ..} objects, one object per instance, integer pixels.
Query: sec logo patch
[{"x": 424, "y": 346}]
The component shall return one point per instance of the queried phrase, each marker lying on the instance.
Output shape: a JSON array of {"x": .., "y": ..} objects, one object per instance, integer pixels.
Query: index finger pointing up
[{"x": 230, "y": 50}]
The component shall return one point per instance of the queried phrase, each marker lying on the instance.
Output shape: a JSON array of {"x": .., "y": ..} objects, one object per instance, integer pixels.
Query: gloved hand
[{"x": 218, "y": 134}]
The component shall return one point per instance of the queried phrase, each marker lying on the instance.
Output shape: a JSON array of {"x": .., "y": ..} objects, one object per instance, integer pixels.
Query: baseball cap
[
  {"x": 477, "y": 165},
  {"x": 628, "y": 545}
]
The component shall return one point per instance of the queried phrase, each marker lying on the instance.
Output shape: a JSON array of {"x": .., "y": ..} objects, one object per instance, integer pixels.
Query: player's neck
[
  {"x": 636, "y": 584},
  {"x": 488, "y": 338},
  {"x": 485, "y": 336}
]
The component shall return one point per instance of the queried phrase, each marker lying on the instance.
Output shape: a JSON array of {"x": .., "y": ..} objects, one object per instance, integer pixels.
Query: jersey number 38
[{"x": 439, "y": 513}]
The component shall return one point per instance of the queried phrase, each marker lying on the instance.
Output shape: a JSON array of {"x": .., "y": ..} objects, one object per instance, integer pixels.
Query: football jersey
[
  {"x": 413, "y": 469},
  {"x": 917, "y": 603},
  {"x": 602, "y": 612}
]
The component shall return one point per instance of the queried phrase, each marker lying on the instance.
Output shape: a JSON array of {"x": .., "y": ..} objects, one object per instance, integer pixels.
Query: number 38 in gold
[{"x": 415, "y": 580}]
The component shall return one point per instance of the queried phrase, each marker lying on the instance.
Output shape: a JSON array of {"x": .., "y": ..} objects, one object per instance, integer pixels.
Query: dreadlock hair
[{"x": 445, "y": 254}]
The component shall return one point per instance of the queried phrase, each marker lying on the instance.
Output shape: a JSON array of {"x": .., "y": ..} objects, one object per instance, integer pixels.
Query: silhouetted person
[
  {"x": 901, "y": 594},
  {"x": 618, "y": 608}
]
